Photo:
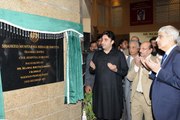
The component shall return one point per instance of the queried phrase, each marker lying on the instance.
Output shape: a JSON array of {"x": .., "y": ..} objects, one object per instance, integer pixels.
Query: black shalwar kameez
[{"x": 107, "y": 90}]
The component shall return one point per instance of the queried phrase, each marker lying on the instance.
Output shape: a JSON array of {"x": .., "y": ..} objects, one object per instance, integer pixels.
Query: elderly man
[
  {"x": 166, "y": 84},
  {"x": 134, "y": 52},
  {"x": 139, "y": 75}
]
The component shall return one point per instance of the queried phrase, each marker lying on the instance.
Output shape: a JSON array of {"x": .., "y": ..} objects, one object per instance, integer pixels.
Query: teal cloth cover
[{"x": 74, "y": 86}]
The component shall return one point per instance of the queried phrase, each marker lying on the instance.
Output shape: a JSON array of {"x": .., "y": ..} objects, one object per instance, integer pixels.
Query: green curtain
[
  {"x": 2, "y": 115},
  {"x": 74, "y": 82},
  {"x": 38, "y": 23}
]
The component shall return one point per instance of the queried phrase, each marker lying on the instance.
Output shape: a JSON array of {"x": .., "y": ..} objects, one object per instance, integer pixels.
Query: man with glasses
[{"x": 139, "y": 75}]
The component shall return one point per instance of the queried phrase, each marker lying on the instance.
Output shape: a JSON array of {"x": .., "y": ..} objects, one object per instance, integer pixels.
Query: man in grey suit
[
  {"x": 133, "y": 51},
  {"x": 89, "y": 78}
]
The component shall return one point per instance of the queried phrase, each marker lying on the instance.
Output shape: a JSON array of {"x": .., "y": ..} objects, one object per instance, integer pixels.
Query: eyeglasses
[{"x": 144, "y": 49}]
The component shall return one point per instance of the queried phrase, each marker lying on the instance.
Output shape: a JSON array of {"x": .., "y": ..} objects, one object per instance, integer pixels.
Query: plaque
[{"x": 29, "y": 58}]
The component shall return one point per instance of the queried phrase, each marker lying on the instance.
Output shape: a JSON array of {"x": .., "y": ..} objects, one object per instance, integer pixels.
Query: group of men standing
[{"x": 148, "y": 88}]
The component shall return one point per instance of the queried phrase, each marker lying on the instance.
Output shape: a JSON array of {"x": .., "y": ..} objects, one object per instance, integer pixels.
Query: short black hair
[
  {"x": 99, "y": 36},
  {"x": 92, "y": 42},
  {"x": 122, "y": 40},
  {"x": 153, "y": 38},
  {"x": 110, "y": 34}
]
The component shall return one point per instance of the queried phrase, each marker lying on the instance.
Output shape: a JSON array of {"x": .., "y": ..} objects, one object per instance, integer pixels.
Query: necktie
[
  {"x": 128, "y": 61},
  {"x": 164, "y": 57}
]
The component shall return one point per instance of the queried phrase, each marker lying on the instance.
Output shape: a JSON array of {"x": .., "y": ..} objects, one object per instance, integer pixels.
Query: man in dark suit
[{"x": 165, "y": 92}]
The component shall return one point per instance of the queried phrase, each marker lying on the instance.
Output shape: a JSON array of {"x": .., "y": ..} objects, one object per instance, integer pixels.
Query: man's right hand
[
  {"x": 88, "y": 89},
  {"x": 92, "y": 65},
  {"x": 137, "y": 61}
]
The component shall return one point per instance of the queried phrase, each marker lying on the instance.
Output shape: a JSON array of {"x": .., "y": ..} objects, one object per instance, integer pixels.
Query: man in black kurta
[{"x": 110, "y": 67}]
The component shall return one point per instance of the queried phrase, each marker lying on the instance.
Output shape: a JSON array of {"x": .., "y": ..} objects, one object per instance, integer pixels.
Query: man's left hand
[
  {"x": 112, "y": 67},
  {"x": 154, "y": 66}
]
